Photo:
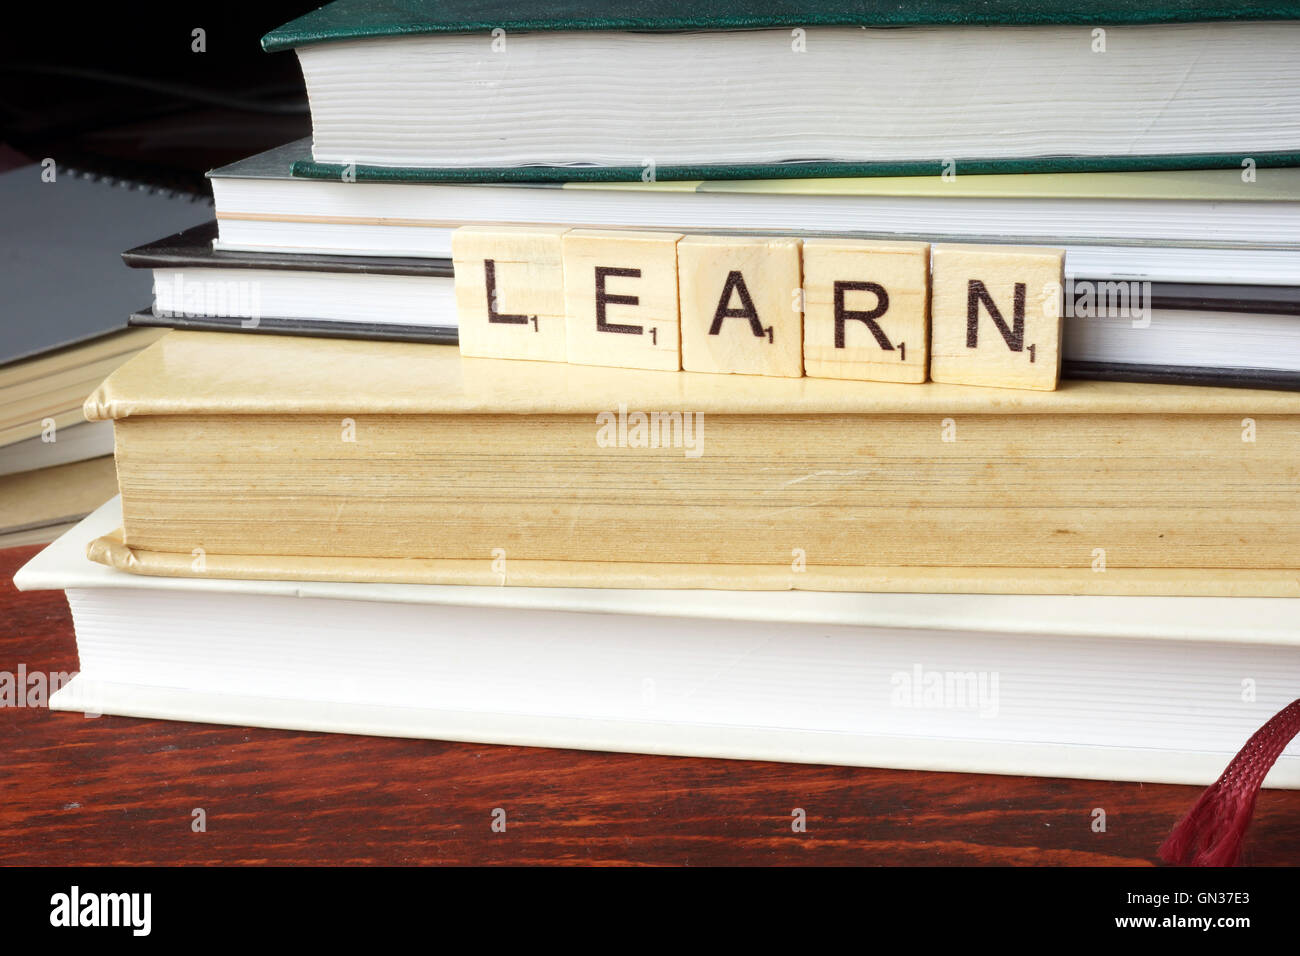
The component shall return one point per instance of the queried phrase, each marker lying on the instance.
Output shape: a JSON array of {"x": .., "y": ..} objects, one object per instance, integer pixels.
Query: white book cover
[{"x": 1125, "y": 688}]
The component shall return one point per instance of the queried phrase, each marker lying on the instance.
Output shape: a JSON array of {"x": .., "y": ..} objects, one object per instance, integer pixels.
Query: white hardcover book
[
  {"x": 364, "y": 298},
  {"x": 1125, "y": 688},
  {"x": 1171, "y": 226}
]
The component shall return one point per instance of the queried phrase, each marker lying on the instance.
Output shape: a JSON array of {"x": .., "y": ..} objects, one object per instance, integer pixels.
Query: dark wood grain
[{"x": 116, "y": 790}]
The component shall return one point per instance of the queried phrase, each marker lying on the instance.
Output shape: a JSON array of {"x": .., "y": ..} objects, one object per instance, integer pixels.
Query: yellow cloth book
[{"x": 314, "y": 459}]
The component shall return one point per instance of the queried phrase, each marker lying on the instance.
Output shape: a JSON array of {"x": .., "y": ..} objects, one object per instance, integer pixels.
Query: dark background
[{"x": 117, "y": 90}]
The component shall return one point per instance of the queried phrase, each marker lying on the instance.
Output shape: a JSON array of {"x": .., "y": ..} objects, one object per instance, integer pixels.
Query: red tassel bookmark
[{"x": 1212, "y": 832}]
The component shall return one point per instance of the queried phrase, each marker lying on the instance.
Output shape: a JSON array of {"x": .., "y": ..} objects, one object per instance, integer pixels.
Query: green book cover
[
  {"x": 1222, "y": 184},
  {"x": 357, "y": 19},
  {"x": 310, "y": 169},
  {"x": 346, "y": 20}
]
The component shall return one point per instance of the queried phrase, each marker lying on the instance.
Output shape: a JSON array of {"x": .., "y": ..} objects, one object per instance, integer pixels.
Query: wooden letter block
[
  {"x": 620, "y": 294},
  {"x": 740, "y": 305},
  {"x": 510, "y": 291},
  {"x": 866, "y": 309},
  {"x": 996, "y": 316}
]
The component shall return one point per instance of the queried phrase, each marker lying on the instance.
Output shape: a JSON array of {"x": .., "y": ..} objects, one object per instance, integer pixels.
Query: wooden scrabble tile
[
  {"x": 740, "y": 305},
  {"x": 620, "y": 294},
  {"x": 995, "y": 316},
  {"x": 866, "y": 309},
  {"x": 510, "y": 291}
]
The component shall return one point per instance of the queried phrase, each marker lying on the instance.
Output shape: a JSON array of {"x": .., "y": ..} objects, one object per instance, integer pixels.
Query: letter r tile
[{"x": 866, "y": 309}]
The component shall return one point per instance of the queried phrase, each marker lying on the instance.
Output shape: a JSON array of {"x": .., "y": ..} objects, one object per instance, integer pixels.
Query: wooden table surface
[{"x": 119, "y": 790}]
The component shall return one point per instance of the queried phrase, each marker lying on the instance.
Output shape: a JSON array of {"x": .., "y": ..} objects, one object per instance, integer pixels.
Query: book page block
[
  {"x": 866, "y": 310},
  {"x": 510, "y": 291},
  {"x": 996, "y": 316},
  {"x": 620, "y": 294},
  {"x": 741, "y": 305}
]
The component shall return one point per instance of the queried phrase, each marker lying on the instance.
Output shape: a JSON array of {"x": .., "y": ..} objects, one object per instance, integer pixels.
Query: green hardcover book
[{"x": 480, "y": 91}]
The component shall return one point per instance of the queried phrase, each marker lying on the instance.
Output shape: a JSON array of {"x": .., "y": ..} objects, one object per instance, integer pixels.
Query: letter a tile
[{"x": 741, "y": 305}]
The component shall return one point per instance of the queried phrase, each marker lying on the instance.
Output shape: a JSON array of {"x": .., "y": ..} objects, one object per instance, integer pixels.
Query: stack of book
[
  {"x": 836, "y": 382},
  {"x": 65, "y": 303}
]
